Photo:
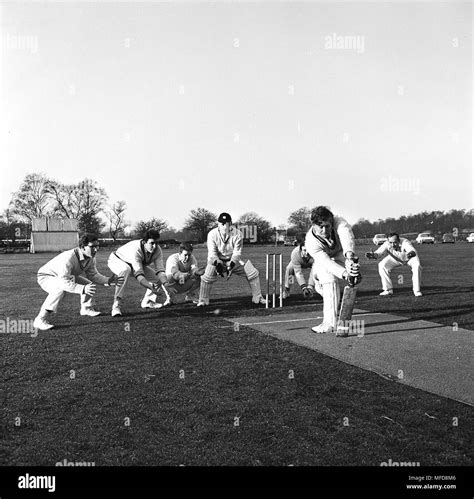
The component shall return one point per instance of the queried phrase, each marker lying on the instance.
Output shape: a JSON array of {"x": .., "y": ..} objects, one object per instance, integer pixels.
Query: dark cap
[{"x": 224, "y": 218}]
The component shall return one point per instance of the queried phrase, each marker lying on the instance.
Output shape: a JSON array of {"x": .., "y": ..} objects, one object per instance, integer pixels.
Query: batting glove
[
  {"x": 411, "y": 254},
  {"x": 352, "y": 268}
]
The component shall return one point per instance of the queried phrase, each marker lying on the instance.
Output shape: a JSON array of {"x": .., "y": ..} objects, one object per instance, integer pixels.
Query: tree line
[{"x": 40, "y": 196}]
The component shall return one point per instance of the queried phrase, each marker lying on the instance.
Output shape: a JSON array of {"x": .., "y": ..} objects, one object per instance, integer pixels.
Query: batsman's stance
[
  {"x": 183, "y": 273},
  {"x": 224, "y": 246},
  {"x": 299, "y": 260},
  {"x": 72, "y": 271},
  {"x": 144, "y": 259},
  {"x": 330, "y": 242},
  {"x": 397, "y": 251}
]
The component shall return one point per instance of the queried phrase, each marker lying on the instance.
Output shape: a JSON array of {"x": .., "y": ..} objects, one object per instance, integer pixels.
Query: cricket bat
[{"x": 347, "y": 307}]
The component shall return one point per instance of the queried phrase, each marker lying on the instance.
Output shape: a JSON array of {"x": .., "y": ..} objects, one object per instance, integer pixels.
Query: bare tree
[
  {"x": 300, "y": 220},
  {"x": 33, "y": 198},
  {"x": 83, "y": 201},
  {"x": 154, "y": 223},
  {"x": 200, "y": 222},
  {"x": 264, "y": 227},
  {"x": 116, "y": 217}
]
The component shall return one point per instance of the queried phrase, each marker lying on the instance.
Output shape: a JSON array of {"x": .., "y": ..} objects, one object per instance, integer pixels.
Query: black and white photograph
[{"x": 236, "y": 246}]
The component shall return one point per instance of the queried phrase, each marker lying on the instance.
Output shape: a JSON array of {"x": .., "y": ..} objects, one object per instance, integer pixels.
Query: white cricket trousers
[
  {"x": 54, "y": 287},
  {"x": 123, "y": 269},
  {"x": 389, "y": 263}
]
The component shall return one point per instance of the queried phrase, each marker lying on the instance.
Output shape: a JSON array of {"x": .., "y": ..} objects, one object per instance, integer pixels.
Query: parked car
[
  {"x": 448, "y": 238},
  {"x": 425, "y": 238},
  {"x": 379, "y": 239},
  {"x": 470, "y": 238}
]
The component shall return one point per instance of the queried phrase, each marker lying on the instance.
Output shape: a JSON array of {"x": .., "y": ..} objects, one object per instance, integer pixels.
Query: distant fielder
[
  {"x": 72, "y": 271},
  {"x": 397, "y": 251},
  {"x": 330, "y": 242},
  {"x": 224, "y": 246},
  {"x": 183, "y": 274},
  {"x": 299, "y": 260},
  {"x": 143, "y": 259}
]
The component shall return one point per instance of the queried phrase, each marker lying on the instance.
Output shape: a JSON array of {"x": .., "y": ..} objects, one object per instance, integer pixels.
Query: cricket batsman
[
  {"x": 143, "y": 259},
  {"x": 397, "y": 251},
  {"x": 224, "y": 246},
  {"x": 72, "y": 271},
  {"x": 183, "y": 273},
  {"x": 330, "y": 242},
  {"x": 299, "y": 260}
]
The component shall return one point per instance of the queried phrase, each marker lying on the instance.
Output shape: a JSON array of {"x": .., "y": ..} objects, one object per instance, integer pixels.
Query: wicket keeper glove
[
  {"x": 219, "y": 268},
  {"x": 411, "y": 254}
]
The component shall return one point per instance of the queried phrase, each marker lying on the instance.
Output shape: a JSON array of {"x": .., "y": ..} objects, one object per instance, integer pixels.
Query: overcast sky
[{"x": 232, "y": 106}]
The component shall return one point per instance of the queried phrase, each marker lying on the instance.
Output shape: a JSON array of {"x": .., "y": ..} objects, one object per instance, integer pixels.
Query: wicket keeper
[
  {"x": 397, "y": 251},
  {"x": 143, "y": 259},
  {"x": 330, "y": 242},
  {"x": 72, "y": 271},
  {"x": 224, "y": 246},
  {"x": 299, "y": 260},
  {"x": 183, "y": 273}
]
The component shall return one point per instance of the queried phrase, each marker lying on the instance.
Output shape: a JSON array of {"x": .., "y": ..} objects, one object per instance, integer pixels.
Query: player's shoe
[
  {"x": 202, "y": 303},
  {"x": 191, "y": 299},
  {"x": 417, "y": 293},
  {"x": 286, "y": 294},
  {"x": 116, "y": 311},
  {"x": 151, "y": 304},
  {"x": 388, "y": 292},
  {"x": 342, "y": 332},
  {"x": 260, "y": 300},
  {"x": 42, "y": 324},
  {"x": 167, "y": 302},
  {"x": 323, "y": 328},
  {"x": 89, "y": 311}
]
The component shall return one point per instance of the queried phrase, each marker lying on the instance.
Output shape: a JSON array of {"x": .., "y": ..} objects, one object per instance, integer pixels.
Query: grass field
[{"x": 165, "y": 387}]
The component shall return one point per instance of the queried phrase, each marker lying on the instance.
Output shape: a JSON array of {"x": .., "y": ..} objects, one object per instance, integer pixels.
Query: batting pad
[{"x": 418, "y": 353}]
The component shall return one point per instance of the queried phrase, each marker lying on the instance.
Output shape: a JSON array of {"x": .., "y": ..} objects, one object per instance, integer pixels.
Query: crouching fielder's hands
[
  {"x": 371, "y": 255},
  {"x": 307, "y": 291},
  {"x": 115, "y": 280},
  {"x": 89, "y": 289}
]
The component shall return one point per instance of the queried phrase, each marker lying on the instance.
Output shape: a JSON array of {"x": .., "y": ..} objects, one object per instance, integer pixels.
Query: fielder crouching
[
  {"x": 143, "y": 259},
  {"x": 299, "y": 260},
  {"x": 72, "y": 271},
  {"x": 394, "y": 252},
  {"x": 330, "y": 242},
  {"x": 183, "y": 274},
  {"x": 224, "y": 246}
]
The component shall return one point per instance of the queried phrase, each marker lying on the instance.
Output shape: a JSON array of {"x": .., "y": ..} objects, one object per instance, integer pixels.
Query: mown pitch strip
[{"x": 425, "y": 355}]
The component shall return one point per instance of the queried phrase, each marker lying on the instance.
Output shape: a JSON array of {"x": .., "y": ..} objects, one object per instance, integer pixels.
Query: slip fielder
[
  {"x": 224, "y": 247},
  {"x": 143, "y": 259},
  {"x": 330, "y": 242},
  {"x": 183, "y": 273},
  {"x": 72, "y": 271},
  {"x": 299, "y": 260},
  {"x": 397, "y": 251}
]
